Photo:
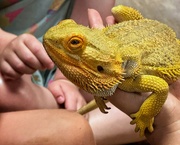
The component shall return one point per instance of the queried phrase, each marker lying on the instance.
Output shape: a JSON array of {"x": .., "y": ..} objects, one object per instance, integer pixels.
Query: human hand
[
  {"x": 66, "y": 93},
  {"x": 167, "y": 122},
  {"x": 95, "y": 20},
  {"x": 23, "y": 55}
]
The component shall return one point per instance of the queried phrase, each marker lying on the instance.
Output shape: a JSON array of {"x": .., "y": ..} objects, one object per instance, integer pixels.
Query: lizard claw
[
  {"x": 101, "y": 104},
  {"x": 142, "y": 122}
]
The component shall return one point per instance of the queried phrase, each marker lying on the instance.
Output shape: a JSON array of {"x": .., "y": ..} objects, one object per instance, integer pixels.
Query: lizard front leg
[
  {"x": 101, "y": 103},
  {"x": 144, "y": 118},
  {"x": 124, "y": 13}
]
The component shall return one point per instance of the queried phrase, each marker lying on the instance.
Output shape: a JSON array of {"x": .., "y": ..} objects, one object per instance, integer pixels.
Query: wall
[{"x": 166, "y": 11}]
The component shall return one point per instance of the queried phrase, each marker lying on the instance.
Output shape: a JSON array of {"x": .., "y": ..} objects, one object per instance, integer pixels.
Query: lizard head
[{"x": 85, "y": 56}]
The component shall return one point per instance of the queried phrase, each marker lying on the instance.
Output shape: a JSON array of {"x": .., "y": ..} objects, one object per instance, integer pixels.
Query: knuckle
[
  {"x": 8, "y": 73},
  {"x": 36, "y": 49},
  {"x": 18, "y": 41},
  {"x": 3, "y": 68},
  {"x": 13, "y": 45},
  {"x": 20, "y": 66},
  {"x": 26, "y": 36},
  {"x": 29, "y": 59},
  {"x": 32, "y": 41}
]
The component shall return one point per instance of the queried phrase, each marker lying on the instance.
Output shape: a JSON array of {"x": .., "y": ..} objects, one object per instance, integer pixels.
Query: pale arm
[{"x": 45, "y": 127}]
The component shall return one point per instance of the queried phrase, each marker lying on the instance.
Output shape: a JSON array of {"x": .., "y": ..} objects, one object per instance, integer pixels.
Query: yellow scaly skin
[{"x": 135, "y": 55}]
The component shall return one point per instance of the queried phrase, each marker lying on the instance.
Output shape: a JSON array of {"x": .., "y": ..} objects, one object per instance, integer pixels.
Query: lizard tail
[{"x": 88, "y": 107}]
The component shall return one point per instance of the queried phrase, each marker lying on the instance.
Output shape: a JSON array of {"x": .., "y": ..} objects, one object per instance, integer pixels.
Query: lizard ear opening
[{"x": 100, "y": 68}]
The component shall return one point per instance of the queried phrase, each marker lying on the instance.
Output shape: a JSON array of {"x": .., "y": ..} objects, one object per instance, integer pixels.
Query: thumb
[
  {"x": 57, "y": 91},
  {"x": 95, "y": 20}
]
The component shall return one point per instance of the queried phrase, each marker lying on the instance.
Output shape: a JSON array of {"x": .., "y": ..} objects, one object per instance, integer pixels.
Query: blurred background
[{"x": 165, "y": 11}]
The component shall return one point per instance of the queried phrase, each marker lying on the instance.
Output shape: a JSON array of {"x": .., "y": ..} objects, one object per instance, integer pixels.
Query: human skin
[
  {"x": 24, "y": 54},
  {"x": 167, "y": 122},
  {"x": 19, "y": 93},
  {"x": 46, "y": 127}
]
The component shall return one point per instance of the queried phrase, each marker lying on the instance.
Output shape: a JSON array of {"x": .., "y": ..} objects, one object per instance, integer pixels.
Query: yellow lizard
[{"x": 135, "y": 55}]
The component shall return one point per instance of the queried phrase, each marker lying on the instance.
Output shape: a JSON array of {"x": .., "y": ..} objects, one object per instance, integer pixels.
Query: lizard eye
[{"x": 75, "y": 43}]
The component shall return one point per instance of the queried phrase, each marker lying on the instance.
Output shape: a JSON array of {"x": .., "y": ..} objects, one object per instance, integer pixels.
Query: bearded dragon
[{"x": 135, "y": 55}]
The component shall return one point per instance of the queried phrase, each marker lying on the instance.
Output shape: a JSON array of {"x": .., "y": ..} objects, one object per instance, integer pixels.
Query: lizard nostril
[{"x": 100, "y": 68}]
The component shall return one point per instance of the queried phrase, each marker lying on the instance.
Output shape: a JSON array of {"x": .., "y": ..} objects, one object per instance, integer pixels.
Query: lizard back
[{"x": 160, "y": 49}]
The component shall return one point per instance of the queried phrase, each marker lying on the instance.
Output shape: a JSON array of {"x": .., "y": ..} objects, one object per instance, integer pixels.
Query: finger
[
  {"x": 71, "y": 103},
  {"x": 31, "y": 51},
  {"x": 74, "y": 100},
  {"x": 67, "y": 90},
  {"x": 23, "y": 52},
  {"x": 57, "y": 92},
  {"x": 38, "y": 50},
  {"x": 95, "y": 20},
  {"x": 110, "y": 20},
  {"x": 8, "y": 72},
  {"x": 28, "y": 58},
  {"x": 18, "y": 65},
  {"x": 72, "y": 95}
]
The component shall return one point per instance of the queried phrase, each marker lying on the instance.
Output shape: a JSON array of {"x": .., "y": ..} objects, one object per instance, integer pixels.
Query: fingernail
[{"x": 60, "y": 99}]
